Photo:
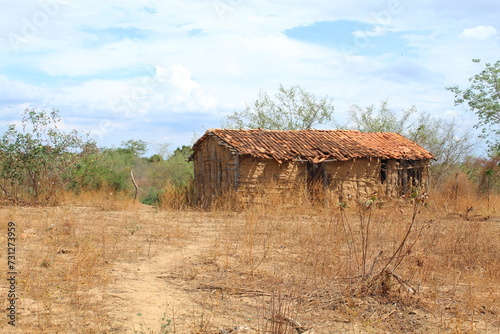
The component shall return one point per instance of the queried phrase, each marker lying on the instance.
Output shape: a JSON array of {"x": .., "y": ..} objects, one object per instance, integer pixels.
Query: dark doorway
[
  {"x": 383, "y": 170},
  {"x": 316, "y": 180},
  {"x": 410, "y": 176}
]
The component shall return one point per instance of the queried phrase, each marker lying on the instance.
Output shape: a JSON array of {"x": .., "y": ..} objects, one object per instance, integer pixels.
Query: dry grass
[
  {"x": 375, "y": 263},
  {"x": 65, "y": 256},
  {"x": 268, "y": 268}
]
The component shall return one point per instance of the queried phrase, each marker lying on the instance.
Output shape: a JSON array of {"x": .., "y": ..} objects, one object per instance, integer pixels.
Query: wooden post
[
  {"x": 200, "y": 178},
  {"x": 236, "y": 170},
  {"x": 426, "y": 174},
  {"x": 306, "y": 185},
  {"x": 325, "y": 186},
  {"x": 135, "y": 185}
]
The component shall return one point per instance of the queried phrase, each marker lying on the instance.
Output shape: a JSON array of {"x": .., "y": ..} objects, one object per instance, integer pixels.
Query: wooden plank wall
[{"x": 214, "y": 170}]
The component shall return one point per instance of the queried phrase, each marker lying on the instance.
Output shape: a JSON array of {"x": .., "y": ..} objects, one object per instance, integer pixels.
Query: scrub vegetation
[
  {"x": 108, "y": 241},
  {"x": 101, "y": 263},
  {"x": 39, "y": 162}
]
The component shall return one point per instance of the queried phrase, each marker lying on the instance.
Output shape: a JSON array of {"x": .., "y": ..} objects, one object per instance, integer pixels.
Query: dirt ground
[
  {"x": 174, "y": 287},
  {"x": 165, "y": 274},
  {"x": 180, "y": 286},
  {"x": 157, "y": 290}
]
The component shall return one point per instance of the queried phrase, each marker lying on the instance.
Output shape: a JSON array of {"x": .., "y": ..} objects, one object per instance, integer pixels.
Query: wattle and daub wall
[{"x": 220, "y": 170}]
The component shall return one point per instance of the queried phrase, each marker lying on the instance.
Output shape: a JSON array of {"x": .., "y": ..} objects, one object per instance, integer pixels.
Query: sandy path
[{"x": 147, "y": 291}]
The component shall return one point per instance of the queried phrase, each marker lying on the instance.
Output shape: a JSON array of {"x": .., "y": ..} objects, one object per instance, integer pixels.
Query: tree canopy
[
  {"x": 136, "y": 147},
  {"x": 40, "y": 159},
  {"x": 289, "y": 109},
  {"x": 444, "y": 139},
  {"x": 483, "y": 98},
  {"x": 382, "y": 120}
]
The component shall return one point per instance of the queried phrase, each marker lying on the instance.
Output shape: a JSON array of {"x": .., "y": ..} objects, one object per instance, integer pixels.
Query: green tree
[
  {"x": 382, "y": 120},
  {"x": 40, "y": 160},
  {"x": 155, "y": 158},
  {"x": 180, "y": 170},
  {"x": 116, "y": 164},
  {"x": 290, "y": 109},
  {"x": 135, "y": 147},
  {"x": 483, "y": 98},
  {"x": 175, "y": 172},
  {"x": 152, "y": 175},
  {"x": 446, "y": 140}
]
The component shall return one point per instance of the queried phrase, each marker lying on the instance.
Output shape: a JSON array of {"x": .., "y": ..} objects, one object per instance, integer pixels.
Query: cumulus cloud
[
  {"x": 178, "y": 91},
  {"x": 479, "y": 32},
  {"x": 14, "y": 92},
  {"x": 165, "y": 89},
  {"x": 178, "y": 76},
  {"x": 163, "y": 64}
]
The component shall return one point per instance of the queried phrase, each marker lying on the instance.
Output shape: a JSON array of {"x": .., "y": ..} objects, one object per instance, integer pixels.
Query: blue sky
[
  {"x": 165, "y": 71},
  {"x": 352, "y": 37}
]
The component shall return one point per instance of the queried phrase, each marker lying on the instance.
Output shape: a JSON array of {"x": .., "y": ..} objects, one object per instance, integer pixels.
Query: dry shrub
[
  {"x": 457, "y": 187},
  {"x": 460, "y": 256},
  {"x": 65, "y": 255},
  {"x": 227, "y": 201},
  {"x": 105, "y": 199},
  {"x": 413, "y": 252},
  {"x": 63, "y": 262},
  {"x": 176, "y": 198}
]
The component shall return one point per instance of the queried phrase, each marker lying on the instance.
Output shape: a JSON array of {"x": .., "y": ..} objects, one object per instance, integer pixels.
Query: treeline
[
  {"x": 39, "y": 162},
  {"x": 155, "y": 176},
  {"x": 452, "y": 144}
]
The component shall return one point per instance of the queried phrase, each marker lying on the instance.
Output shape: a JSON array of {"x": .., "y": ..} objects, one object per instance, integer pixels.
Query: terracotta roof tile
[{"x": 318, "y": 145}]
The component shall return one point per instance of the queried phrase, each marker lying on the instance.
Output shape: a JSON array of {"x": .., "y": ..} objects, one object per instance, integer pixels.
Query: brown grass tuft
[{"x": 415, "y": 265}]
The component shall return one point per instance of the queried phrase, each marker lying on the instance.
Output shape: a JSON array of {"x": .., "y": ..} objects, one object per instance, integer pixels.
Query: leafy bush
[{"x": 40, "y": 159}]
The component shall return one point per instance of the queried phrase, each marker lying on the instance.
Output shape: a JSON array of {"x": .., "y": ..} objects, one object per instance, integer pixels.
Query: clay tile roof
[{"x": 318, "y": 145}]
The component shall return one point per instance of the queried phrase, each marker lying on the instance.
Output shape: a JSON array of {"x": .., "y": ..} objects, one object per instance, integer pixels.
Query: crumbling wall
[
  {"x": 362, "y": 179},
  {"x": 391, "y": 183},
  {"x": 257, "y": 176},
  {"x": 214, "y": 169},
  {"x": 403, "y": 176},
  {"x": 353, "y": 179}
]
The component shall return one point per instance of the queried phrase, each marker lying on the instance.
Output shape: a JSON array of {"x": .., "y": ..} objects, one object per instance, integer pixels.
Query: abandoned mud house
[{"x": 330, "y": 164}]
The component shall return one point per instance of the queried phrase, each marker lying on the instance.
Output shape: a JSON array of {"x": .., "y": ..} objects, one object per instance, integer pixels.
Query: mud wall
[
  {"x": 364, "y": 178},
  {"x": 215, "y": 170},
  {"x": 354, "y": 179},
  {"x": 219, "y": 169},
  {"x": 257, "y": 176}
]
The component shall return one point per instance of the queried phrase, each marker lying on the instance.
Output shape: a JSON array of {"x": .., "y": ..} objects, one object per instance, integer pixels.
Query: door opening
[{"x": 316, "y": 180}]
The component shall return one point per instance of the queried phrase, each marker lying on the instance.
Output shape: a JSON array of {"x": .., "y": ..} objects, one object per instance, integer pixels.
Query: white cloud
[
  {"x": 178, "y": 76},
  {"x": 14, "y": 91},
  {"x": 177, "y": 91},
  {"x": 479, "y": 32},
  {"x": 166, "y": 90},
  {"x": 192, "y": 60}
]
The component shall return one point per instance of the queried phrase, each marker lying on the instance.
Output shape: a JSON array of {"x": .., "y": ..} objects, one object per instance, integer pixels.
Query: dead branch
[
  {"x": 235, "y": 291},
  {"x": 135, "y": 185},
  {"x": 292, "y": 322},
  {"x": 404, "y": 283}
]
